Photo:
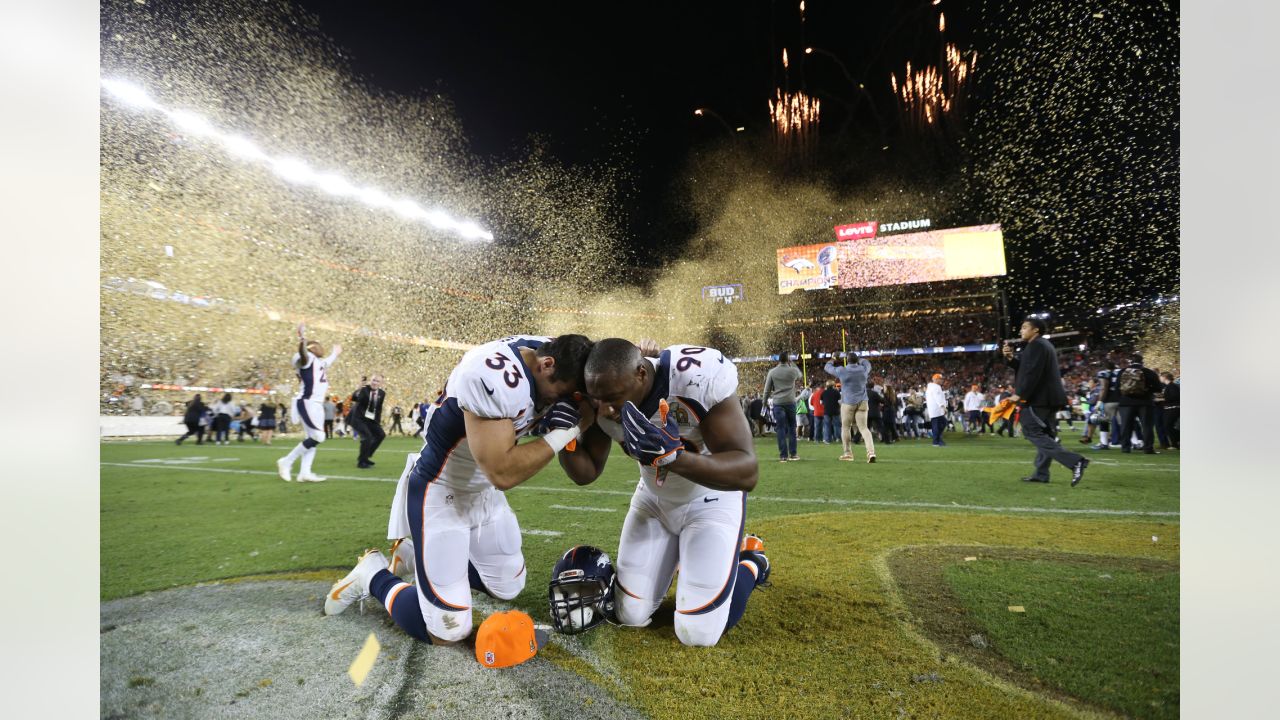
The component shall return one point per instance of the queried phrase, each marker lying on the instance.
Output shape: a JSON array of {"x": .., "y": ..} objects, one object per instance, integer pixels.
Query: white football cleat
[
  {"x": 403, "y": 563},
  {"x": 354, "y": 586},
  {"x": 283, "y": 466},
  {"x": 310, "y": 478}
]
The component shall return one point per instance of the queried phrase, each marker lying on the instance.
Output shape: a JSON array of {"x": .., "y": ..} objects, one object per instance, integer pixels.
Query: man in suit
[
  {"x": 1038, "y": 389},
  {"x": 366, "y": 418}
]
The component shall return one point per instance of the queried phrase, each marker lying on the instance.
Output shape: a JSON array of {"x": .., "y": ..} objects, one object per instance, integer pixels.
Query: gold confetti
[{"x": 363, "y": 663}]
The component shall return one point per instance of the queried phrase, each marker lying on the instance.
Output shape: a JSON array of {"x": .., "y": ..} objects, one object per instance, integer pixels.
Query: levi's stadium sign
[
  {"x": 856, "y": 231},
  {"x": 904, "y": 226}
]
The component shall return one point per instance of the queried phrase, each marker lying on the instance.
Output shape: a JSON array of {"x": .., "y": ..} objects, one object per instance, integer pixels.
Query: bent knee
[
  {"x": 450, "y": 635},
  {"x": 697, "y": 633},
  {"x": 633, "y": 612},
  {"x": 506, "y": 590}
]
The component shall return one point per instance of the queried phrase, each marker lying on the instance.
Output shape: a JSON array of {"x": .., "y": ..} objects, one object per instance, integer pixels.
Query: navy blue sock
[
  {"x": 404, "y": 609},
  {"x": 742, "y": 588},
  {"x": 473, "y": 576}
]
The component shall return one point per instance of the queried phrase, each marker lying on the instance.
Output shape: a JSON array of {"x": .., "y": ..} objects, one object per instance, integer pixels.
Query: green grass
[
  {"x": 1103, "y": 633},
  {"x": 165, "y": 525},
  {"x": 175, "y": 516}
]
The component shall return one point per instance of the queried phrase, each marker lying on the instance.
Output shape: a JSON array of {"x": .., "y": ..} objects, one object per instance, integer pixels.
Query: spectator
[
  {"x": 875, "y": 415},
  {"x": 266, "y": 421},
  {"x": 396, "y": 414},
  {"x": 330, "y": 412},
  {"x": 366, "y": 418},
  {"x": 853, "y": 403},
  {"x": 1038, "y": 387},
  {"x": 756, "y": 414},
  {"x": 889, "y": 417},
  {"x": 973, "y": 410},
  {"x": 831, "y": 411},
  {"x": 1171, "y": 394},
  {"x": 245, "y": 418},
  {"x": 137, "y": 404},
  {"x": 780, "y": 387},
  {"x": 423, "y": 407},
  {"x": 282, "y": 418},
  {"x": 936, "y": 407},
  {"x": 1005, "y": 422},
  {"x": 1109, "y": 379},
  {"x": 1138, "y": 386},
  {"x": 192, "y": 419},
  {"x": 818, "y": 412},
  {"x": 223, "y": 411},
  {"x": 802, "y": 415}
]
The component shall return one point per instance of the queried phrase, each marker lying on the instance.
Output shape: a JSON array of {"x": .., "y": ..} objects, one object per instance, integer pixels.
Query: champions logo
[{"x": 806, "y": 267}]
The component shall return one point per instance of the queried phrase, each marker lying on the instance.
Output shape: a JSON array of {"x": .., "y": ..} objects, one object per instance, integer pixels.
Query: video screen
[{"x": 930, "y": 256}]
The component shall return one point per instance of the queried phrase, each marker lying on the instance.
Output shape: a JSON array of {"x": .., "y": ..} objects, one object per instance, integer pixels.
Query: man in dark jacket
[
  {"x": 195, "y": 410},
  {"x": 1038, "y": 388},
  {"x": 366, "y": 418},
  {"x": 1172, "y": 395},
  {"x": 1138, "y": 387}
]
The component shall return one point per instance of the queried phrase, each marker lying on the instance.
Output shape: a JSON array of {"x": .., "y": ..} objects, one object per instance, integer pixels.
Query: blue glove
[
  {"x": 655, "y": 445},
  {"x": 562, "y": 416}
]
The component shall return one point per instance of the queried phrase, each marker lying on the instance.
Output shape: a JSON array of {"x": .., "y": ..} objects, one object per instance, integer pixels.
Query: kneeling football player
[
  {"x": 689, "y": 508},
  {"x": 463, "y": 534}
]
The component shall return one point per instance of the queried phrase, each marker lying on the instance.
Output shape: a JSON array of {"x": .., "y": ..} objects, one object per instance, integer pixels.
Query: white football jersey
[
  {"x": 314, "y": 373},
  {"x": 491, "y": 381},
  {"x": 697, "y": 378}
]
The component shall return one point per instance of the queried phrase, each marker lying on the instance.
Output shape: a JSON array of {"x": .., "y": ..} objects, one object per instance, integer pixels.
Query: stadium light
[{"x": 292, "y": 170}]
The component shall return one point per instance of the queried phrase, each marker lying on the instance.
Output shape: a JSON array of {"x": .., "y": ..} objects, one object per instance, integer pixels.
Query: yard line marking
[
  {"x": 894, "y": 503},
  {"x": 589, "y": 509},
  {"x": 548, "y": 533},
  {"x": 756, "y": 498},
  {"x": 242, "y": 472}
]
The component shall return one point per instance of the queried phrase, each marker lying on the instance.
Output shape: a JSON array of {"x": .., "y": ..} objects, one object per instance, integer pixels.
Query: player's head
[
  {"x": 315, "y": 348},
  {"x": 558, "y": 370},
  {"x": 615, "y": 373}
]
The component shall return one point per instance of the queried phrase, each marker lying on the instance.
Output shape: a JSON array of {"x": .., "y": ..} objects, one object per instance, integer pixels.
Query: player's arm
[
  {"x": 504, "y": 462},
  {"x": 337, "y": 349},
  {"x": 586, "y": 463},
  {"x": 732, "y": 463}
]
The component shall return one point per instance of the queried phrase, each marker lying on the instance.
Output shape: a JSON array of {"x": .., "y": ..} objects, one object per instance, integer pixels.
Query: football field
[{"x": 930, "y": 584}]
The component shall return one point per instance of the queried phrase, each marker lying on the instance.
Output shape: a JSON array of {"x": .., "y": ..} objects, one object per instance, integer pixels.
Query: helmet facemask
[{"x": 577, "y": 603}]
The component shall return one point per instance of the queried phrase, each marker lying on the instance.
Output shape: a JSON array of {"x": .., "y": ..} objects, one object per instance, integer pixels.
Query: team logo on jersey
[
  {"x": 486, "y": 387},
  {"x": 488, "y": 657}
]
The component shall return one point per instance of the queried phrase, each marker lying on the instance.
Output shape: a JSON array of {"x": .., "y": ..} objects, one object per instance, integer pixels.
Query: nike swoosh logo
[
  {"x": 487, "y": 388},
  {"x": 704, "y": 499},
  {"x": 337, "y": 590}
]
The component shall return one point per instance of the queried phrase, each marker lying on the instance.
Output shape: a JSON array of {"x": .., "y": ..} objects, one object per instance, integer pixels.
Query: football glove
[
  {"x": 656, "y": 445},
  {"x": 562, "y": 416}
]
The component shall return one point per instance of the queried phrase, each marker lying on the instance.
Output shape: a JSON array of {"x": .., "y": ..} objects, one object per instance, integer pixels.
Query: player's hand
[
  {"x": 651, "y": 444},
  {"x": 337, "y": 348},
  {"x": 1007, "y": 350},
  {"x": 563, "y": 415},
  {"x": 649, "y": 347},
  {"x": 586, "y": 409},
  {"x": 302, "y": 331}
]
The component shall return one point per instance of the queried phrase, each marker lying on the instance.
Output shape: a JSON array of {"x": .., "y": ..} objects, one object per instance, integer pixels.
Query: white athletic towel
[{"x": 398, "y": 523}]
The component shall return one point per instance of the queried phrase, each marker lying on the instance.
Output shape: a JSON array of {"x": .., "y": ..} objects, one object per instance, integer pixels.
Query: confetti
[{"x": 363, "y": 663}]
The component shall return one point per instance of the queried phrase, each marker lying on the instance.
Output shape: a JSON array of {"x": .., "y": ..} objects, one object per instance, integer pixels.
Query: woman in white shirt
[{"x": 223, "y": 411}]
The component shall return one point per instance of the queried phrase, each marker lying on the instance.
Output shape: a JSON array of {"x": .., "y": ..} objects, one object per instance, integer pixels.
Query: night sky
[
  {"x": 597, "y": 79},
  {"x": 1067, "y": 112}
]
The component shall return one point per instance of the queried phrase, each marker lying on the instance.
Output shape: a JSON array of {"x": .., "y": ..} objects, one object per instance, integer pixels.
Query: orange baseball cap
[{"x": 507, "y": 638}]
